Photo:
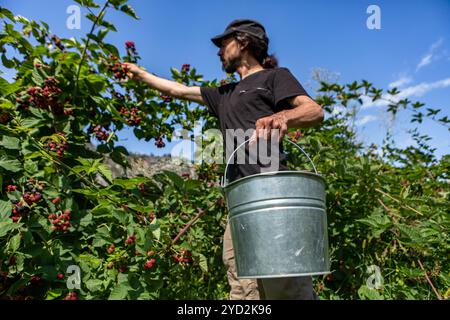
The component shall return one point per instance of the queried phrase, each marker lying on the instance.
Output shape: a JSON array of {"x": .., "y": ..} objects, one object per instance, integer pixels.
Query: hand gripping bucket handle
[{"x": 223, "y": 179}]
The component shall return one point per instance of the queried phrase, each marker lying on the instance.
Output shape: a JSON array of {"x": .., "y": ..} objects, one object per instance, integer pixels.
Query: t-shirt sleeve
[
  {"x": 285, "y": 85},
  {"x": 211, "y": 96}
]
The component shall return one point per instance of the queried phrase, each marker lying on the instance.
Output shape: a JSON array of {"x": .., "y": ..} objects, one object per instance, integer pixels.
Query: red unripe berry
[
  {"x": 60, "y": 276},
  {"x": 56, "y": 200},
  {"x": 111, "y": 248},
  {"x": 149, "y": 264}
]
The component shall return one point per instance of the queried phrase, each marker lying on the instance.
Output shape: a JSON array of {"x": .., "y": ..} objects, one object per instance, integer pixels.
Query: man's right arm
[{"x": 167, "y": 87}]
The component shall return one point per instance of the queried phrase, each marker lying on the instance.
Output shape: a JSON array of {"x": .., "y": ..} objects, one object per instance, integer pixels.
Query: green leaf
[
  {"x": 53, "y": 294},
  {"x": 119, "y": 292},
  {"x": 203, "y": 263},
  {"x": 365, "y": 292},
  {"x": 6, "y": 226},
  {"x": 36, "y": 77},
  {"x": 6, "y": 13},
  {"x": 106, "y": 171},
  {"x": 87, "y": 3},
  {"x": 129, "y": 10},
  {"x": 5, "y": 209},
  {"x": 10, "y": 164},
  {"x": 10, "y": 143},
  {"x": 14, "y": 243},
  {"x": 94, "y": 284},
  {"x": 175, "y": 178},
  {"x": 156, "y": 230},
  {"x": 7, "y": 62},
  {"x": 130, "y": 183},
  {"x": 96, "y": 82}
]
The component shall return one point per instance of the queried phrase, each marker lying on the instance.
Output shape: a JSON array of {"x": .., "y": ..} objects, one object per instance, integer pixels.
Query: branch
[
  {"x": 201, "y": 211},
  {"x": 429, "y": 281},
  {"x": 398, "y": 201},
  {"x": 388, "y": 211}
]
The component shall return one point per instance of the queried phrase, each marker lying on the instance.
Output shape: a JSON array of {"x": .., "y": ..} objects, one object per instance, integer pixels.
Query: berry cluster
[
  {"x": 11, "y": 188},
  {"x": 185, "y": 256},
  {"x": 295, "y": 135},
  {"x": 42, "y": 97},
  {"x": 185, "y": 67},
  {"x": 59, "y": 148},
  {"x": 131, "y": 239},
  {"x": 223, "y": 82},
  {"x": 19, "y": 210},
  {"x": 166, "y": 98},
  {"x": 131, "y": 116},
  {"x": 100, "y": 133},
  {"x": 159, "y": 142},
  {"x": 149, "y": 264},
  {"x": 60, "y": 222},
  {"x": 120, "y": 71},
  {"x": 71, "y": 296},
  {"x": 131, "y": 51},
  {"x": 32, "y": 197},
  {"x": 185, "y": 175}
]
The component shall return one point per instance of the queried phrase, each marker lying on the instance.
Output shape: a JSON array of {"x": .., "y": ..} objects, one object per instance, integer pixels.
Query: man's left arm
[{"x": 305, "y": 113}]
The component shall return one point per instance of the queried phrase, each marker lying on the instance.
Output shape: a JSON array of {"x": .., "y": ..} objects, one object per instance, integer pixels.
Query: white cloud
[
  {"x": 404, "y": 80},
  {"x": 417, "y": 91},
  {"x": 426, "y": 60},
  {"x": 366, "y": 119},
  {"x": 430, "y": 55},
  {"x": 420, "y": 89}
]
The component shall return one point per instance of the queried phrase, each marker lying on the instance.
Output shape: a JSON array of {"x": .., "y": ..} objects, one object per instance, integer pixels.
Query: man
[{"x": 267, "y": 98}]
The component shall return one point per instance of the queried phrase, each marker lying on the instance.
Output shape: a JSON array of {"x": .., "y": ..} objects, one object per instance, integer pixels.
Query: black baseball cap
[{"x": 243, "y": 25}]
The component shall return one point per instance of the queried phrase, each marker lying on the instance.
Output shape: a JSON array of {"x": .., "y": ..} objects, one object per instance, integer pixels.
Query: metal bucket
[{"x": 278, "y": 223}]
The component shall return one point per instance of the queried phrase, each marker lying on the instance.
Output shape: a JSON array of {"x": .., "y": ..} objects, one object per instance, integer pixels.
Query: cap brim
[{"x": 217, "y": 40}]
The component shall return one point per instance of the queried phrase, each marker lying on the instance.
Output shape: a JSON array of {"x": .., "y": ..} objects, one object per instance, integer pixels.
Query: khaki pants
[{"x": 294, "y": 288}]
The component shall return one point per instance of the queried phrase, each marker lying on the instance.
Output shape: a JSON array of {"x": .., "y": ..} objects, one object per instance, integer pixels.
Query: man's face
[{"x": 230, "y": 54}]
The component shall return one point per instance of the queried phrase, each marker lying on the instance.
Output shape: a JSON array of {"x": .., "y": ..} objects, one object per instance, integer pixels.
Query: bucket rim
[
  {"x": 282, "y": 172},
  {"x": 304, "y": 274}
]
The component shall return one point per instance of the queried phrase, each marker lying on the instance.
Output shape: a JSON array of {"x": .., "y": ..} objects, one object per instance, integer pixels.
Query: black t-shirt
[{"x": 239, "y": 105}]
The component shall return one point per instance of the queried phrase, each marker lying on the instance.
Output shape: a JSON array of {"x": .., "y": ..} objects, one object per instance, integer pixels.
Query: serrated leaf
[
  {"x": 5, "y": 209},
  {"x": 119, "y": 292},
  {"x": 14, "y": 243},
  {"x": 10, "y": 164},
  {"x": 203, "y": 263},
  {"x": 129, "y": 10},
  {"x": 10, "y": 143},
  {"x": 7, "y": 226},
  {"x": 94, "y": 284}
]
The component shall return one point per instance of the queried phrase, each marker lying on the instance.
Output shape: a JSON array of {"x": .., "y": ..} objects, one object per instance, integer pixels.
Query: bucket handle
[{"x": 223, "y": 179}]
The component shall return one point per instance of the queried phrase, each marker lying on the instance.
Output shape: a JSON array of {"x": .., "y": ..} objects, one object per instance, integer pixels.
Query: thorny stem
[
  {"x": 429, "y": 281},
  {"x": 398, "y": 201}
]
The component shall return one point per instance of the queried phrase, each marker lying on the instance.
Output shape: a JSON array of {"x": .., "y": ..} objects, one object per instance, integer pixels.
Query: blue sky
[{"x": 412, "y": 48}]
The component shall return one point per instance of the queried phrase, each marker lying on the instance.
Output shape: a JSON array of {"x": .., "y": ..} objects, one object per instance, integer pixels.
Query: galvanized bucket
[{"x": 278, "y": 223}]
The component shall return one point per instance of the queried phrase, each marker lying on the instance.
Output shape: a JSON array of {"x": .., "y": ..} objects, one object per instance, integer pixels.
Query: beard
[{"x": 232, "y": 64}]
